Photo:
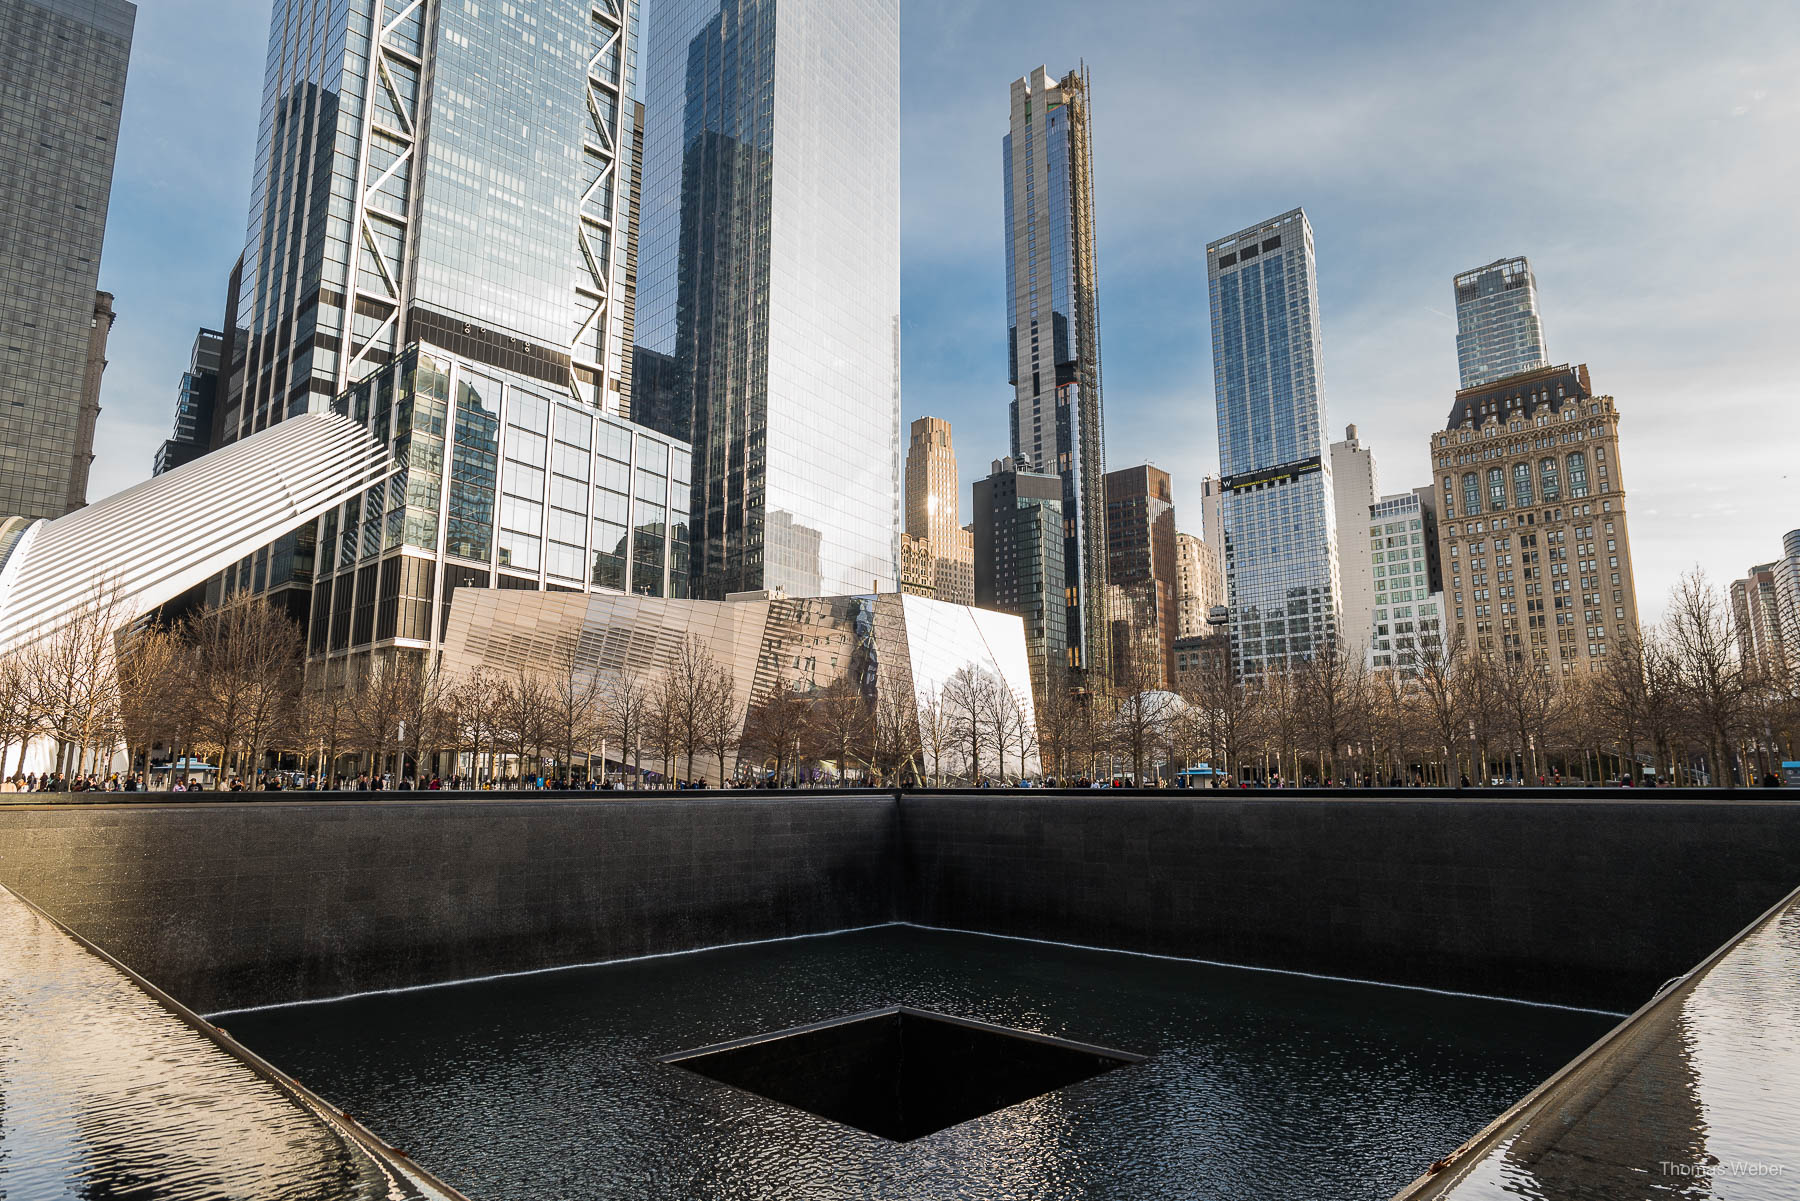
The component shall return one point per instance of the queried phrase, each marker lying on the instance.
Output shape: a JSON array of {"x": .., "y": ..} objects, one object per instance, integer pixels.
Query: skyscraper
[
  {"x": 1354, "y": 487},
  {"x": 194, "y": 404},
  {"x": 1199, "y": 585},
  {"x": 1498, "y": 332},
  {"x": 1756, "y": 607},
  {"x": 933, "y": 503},
  {"x": 1787, "y": 593},
  {"x": 1407, "y": 610},
  {"x": 1141, "y": 575},
  {"x": 441, "y": 248},
  {"x": 1053, "y": 331},
  {"x": 1535, "y": 549},
  {"x": 447, "y": 174},
  {"x": 1281, "y": 555},
  {"x": 768, "y": 287},
  {"x": 63, "y": 63},
  {"x": 1019, "y": 544}
]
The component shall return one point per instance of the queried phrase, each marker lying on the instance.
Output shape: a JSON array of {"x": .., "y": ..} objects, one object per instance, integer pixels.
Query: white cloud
[{"x": 1422, "y": 139}]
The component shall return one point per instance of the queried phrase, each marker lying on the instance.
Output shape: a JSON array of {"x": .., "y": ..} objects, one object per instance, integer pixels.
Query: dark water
[
  {"x": 105, "y": 1093},
  {"x": 1258, "y": 1085}
]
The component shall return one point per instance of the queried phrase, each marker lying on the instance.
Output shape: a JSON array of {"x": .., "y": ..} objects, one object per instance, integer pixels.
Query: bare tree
[
  {"x": 628, "y": 705},
  {"x": 1529, "y": 697},
  {"x": 71, "y": 675},
  {"x": 576, "y": 701},
  {"x": 152, "y": 674},
  {"x": 1432, "y": 663},
  {"x": 1395, "y": 722},
  {"x": 1280, "y": 699},
  {"x": 1138, "y": 719},
  {"x": 1059, "y": 723},
  {"x": 966, "y": 702},
  {"x": 1333, "y": 696},
  {"x": 689, "y": 683},
  {"x": 843, "y": 724},
  {"x": 322, "y": 724},
  {"x": 478, "y": 702},
  {"x": 1227, "y": 715},
  {"x": 936, "y": 736},
  {"x": 1717, "y": 689},
  {"x": 20, "y": 713},
  {"x": 894, "y": 746},
  {"x": 722, "y": 718},
  {"x": 246, "y": 670},
  {"x": 525, "y": 719},
  {"x": 378, "y": 707},
  {"x": 776, "y": 729},
  {"x": 662, "y": 724}
]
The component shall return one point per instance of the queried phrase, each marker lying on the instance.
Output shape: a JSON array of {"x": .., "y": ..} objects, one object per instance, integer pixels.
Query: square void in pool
[{"x": 900, "y": 1073}]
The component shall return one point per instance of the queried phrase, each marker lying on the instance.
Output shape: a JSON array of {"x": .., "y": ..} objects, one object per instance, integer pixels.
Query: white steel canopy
[{"x": 152, "y": 542}]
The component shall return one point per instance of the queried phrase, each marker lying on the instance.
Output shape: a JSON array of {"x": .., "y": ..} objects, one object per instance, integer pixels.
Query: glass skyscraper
[
  {"x": 767, "y": 325},
  {"x": 440, "y": 247},
  {"x": 62, "y": 87},
  {"x": 455, "y": 175},
  {"x": 1053, "y": 333},
  {"x": 1498, "y": 331},
  {"x": 1281, "y": 561},
  {"x": 193, "y": 404}
]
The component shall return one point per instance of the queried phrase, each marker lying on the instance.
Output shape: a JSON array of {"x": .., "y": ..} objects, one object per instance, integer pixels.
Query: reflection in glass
[
  {"x": 768, "y": 287},
  {"x": 472, "y": 476}
]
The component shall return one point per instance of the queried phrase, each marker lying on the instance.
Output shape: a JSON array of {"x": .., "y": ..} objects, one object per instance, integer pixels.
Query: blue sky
[{"x": 1642, "y": 154}]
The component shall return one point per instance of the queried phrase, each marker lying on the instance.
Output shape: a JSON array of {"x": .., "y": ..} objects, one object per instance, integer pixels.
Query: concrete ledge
[
  {"x": 1693, "y": 1095},
  {"x": 111, "y": 1084}
]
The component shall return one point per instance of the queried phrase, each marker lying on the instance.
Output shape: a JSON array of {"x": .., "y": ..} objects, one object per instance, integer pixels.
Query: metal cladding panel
[
  {"x": 944, "y": 638},
  {"x": 810, "y": 645},
  {"x": 152, "y": 542}
]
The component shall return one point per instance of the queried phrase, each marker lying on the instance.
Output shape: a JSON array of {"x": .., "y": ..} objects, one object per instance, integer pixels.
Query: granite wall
[
  {"x": 1587, "y": 902},
  {"x": 231, "y": 905},
  {"x": 1584, "y": 901}
]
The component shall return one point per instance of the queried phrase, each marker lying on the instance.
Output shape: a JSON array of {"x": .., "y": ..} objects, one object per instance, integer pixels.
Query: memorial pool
[{"x": 1255, "y": 1084}]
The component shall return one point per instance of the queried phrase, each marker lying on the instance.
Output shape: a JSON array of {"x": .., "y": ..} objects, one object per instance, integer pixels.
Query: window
[
  {"x": 1578, "y": 481},
  {"x": 1548, "y": 480},
  {"x": 1496, "y": 480},
  {"x": 1471, "y": 493},
  {"x": 1522, "y": 485}
]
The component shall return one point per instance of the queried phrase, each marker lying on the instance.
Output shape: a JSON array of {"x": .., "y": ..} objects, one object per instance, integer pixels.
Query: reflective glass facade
[
  {"x": 1018, "y": 547},
  {"x": 1498, "y": 330},
  {"x": 62, "y": 85},
  {"x": 768, "y": 306},
  {"x": 1053, "y": 333},
  {"x": 506, "y": 483},
  {"x": 450, "y": 173},
  {"x": 193, "y": 404},
  {"x": 888, "y": 646},
  {"x": 1281, "y": 560}
]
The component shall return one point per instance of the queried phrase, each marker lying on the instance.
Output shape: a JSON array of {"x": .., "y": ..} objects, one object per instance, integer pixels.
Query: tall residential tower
[
  {"x": 1355, "y": 483},
  {"x": 1053, "y": 332},
  {"x": 1498, "y": 331},
  {"x": 1281, "y": 555},
  {"x": 933, "y": 503},
  {"x": 62, "y": 87},
  {"x": 768, "y": 286}
]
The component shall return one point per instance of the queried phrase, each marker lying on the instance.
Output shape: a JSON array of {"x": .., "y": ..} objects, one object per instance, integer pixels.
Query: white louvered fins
[{"x": 154, "y": 541}]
